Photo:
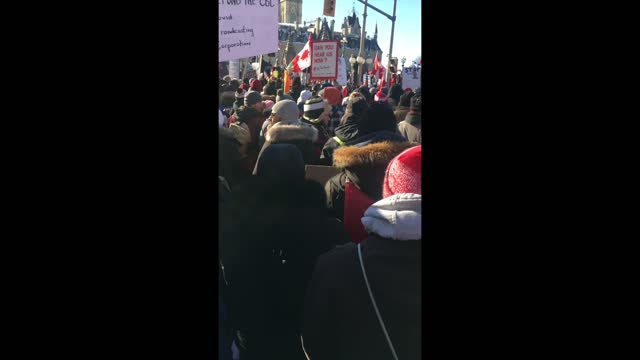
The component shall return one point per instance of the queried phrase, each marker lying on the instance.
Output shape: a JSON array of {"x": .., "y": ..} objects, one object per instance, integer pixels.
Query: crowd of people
[{"x": 319, "y": 270}]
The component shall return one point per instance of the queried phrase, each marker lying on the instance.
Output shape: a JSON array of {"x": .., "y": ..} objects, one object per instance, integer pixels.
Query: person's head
[
  {"x": 378, "y": 117},
  {"x": 331, "y": 95},
  {"x": 256, "y": 85},
  {"x": 226, "y": 78},
  {"x": 416, "y": 103},
  {"x": 304, "y": 96},
  {"x": 364, "y": 90},
  {"x": 282, "y": 96},
  {"x": 395, "y": 92},
  {"x": 356, "y": 105},
  {"x": 404, "y": 173},
  {"x": 296, "y": 82},
  {"x": 253, "y": 99},
  {"x": 317, "y": 111},
  {"x": 240, "y": 93},
  {"x": 285, "y": 111},
  {"x": 270, "y": 89},
  {"x": 235, "y": 84},
  {"x": 405, "y": 99},
  {"x": 281, "y": 163},
  {"x": 268, "y": 106},
  {"x": 245, "y": 81}
]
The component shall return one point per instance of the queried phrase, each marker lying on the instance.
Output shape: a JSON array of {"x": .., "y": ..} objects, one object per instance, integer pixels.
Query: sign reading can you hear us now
[
  {"x": 324, "y": 60},
  {"x": 247, "y": 28}
]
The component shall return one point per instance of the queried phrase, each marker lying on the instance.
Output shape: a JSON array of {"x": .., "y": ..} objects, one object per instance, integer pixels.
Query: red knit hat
[
  {"x": 404, "y": 173},
  {"x": 256, "y": 85}
]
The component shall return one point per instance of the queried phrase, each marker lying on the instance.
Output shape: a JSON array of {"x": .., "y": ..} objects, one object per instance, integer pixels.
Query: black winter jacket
[
  {"x": 340, "y": 322},
  {"x": 272, "y": 234},
  {"x": 231, "y": 165}
]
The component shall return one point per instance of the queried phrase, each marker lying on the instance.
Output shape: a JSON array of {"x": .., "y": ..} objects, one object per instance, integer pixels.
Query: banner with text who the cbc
[{"x": 247, "y": 28}]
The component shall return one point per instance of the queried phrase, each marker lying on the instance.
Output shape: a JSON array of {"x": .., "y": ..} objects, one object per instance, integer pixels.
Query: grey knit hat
[{"x": 287, "y": 110}]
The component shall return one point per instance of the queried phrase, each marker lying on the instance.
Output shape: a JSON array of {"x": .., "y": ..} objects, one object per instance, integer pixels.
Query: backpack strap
[{"x": 375, "y": 306}]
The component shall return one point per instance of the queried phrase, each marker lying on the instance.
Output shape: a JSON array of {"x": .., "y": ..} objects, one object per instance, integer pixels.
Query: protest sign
[
  {"x": 247, "y": 28},
  {"x": 342, "y": 72},
  {"x": 320, "y": 173},
  {"x": 234, "y": 69},
  {"x": 411, "y": 77},
  {"x": 324, "y": 60}
]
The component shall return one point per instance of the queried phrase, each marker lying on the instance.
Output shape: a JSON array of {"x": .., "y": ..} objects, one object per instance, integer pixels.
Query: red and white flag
[
  {"x": 378, "y": 69},
  {"x": 302, "y": 60}
]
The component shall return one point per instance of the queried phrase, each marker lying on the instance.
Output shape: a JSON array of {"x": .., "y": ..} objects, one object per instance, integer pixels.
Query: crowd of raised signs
[{"x": 320, "y": 221}]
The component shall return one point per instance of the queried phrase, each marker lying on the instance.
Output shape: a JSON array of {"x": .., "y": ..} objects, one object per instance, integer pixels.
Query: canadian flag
[
  {"x": 302, "y": 60},
  {"x": 378, "y": 69}
]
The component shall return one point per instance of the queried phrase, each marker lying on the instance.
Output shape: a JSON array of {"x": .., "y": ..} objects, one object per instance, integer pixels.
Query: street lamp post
[
  {"x": 364, "y": 26},
  {"x": 354, "y": 78}
]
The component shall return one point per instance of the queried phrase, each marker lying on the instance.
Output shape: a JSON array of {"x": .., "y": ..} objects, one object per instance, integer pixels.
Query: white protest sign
[
  {"x": 324, "y": 60},
  {"x": 247, "y": 28},
  {"x": 234, "y": 69},
  {"x": 411, "y": 77},
  {"x": 342, "y": 72}
]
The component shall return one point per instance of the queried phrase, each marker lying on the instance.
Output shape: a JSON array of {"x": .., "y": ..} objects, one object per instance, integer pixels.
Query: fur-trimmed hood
[
  {"x": 287, "y": 132},
  {"x": 380, "y": 153}
]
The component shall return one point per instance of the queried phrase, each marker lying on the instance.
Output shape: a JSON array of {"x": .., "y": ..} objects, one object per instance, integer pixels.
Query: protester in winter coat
[
  {"x": 270, "y": 89},
  {"x": 231, "y": 165},
  {"x": 340, "y": 321},
  {"x": 285, "y": 127},
  {"x": 364, "y": 90},
  {"x": 272, "y": 233},
  {"x": 363, "y": 165},
  {"x": 364, "y": 158},
  {"x": 411, "y": 127},
  {"x": 349, "y": 128},
  {"x": 282, "y": 96},
  {"x": 394, "y": 95},
  {"x": 240, "y": 93},
  {"x": 403, "y": 108},
  {"x": 296, "y": 88},
  {"x": 227, "y": 98},
  {"x": 251, "y": 115},
  {"x": 316, "y": 113},
  {"x": 246, "y": 86},
  {"x": 333, "y": 97}
]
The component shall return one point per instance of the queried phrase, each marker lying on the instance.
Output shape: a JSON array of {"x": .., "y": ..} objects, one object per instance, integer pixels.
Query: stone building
[{"x": 296, "y": 34}]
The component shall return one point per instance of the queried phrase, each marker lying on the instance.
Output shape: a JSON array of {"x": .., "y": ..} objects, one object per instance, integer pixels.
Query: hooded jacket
[
  {"x": 272, "y": 233},
  {"x": 231, "y": 165},
  {"x": 297, "y": 133},
  {"x": 253, "y": 119},
  {"x": 346, "y": 132},
  {"x": 339, "y": 320},
  {"x": 411, "y": 127},
  {"x": 364, "y": 165}
]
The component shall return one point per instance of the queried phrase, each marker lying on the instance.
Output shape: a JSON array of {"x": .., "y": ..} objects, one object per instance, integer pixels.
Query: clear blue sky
[{"x": 407, "y": 34}]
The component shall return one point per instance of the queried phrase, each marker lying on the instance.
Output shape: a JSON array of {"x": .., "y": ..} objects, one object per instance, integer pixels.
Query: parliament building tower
[{"x": 291, "y": 11}]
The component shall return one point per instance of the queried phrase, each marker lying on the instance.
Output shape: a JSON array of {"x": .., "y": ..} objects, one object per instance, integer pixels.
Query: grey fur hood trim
[{"x": 287, "y": 132}]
